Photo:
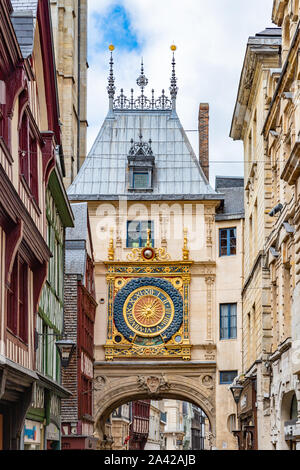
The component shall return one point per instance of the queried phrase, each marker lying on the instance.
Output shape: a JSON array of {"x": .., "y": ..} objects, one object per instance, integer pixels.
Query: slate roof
[
  {"x": 23, "y": 19},
  {"x": 76, "y": 241},
  {"x": 270, "y": 32},
  {"x": 177, "y": 173},
  {"x": 229, "y": 182},
  {"x": 232, "y": 188}
]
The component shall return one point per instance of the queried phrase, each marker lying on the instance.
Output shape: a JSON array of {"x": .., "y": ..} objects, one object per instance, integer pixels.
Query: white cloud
[{"x": 211, "y": 37}]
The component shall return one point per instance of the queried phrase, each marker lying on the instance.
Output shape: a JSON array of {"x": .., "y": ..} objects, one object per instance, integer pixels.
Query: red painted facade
[
  {"x": 139, "y": 427},
  {"x": 86, "y": 319}
]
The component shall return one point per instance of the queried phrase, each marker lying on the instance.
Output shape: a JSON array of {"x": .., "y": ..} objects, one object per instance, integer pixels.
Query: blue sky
[
  {"x": 211, "y": 39},
  {"x": 116, "y": 27}
]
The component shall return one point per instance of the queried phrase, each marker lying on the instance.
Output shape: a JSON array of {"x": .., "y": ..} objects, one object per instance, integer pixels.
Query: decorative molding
[
  {"x": 210, "y": 280},
  {"x": 111, "y": 249},
  {"x": 153, "y": 384},
  {"x": 185, "y": 250}
]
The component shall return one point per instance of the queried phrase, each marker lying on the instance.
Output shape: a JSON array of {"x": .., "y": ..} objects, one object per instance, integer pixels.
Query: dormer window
[{"x": 141, "y": 162}]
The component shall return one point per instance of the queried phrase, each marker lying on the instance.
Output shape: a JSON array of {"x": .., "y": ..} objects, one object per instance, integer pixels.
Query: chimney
[{"x": 203, "y": 127}]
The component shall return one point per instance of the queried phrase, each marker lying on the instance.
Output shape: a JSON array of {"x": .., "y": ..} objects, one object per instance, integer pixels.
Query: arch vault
[{"x": 117, "y": 383}]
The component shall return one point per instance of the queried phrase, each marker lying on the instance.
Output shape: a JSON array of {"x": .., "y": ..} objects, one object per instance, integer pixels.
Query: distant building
[
  {"x": 187, "y": 425},
  {"x": 139, "y": 426},
  {"x": 198, "y": 429},
  {"x": 154, "y": 440},
  {"x": 120, "y": 422},
  {"x": 174, "y": 429},
  {"x": 79, "y": 318}
]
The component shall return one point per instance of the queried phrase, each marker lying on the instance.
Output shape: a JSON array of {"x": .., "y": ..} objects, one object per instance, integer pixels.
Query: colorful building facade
[{"x": 30, "y": 145}]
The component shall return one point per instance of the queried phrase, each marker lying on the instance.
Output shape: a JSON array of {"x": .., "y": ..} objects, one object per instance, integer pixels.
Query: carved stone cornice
[
  {"x": 291, "y": 171},
  {"x": 259, "y": 50}
]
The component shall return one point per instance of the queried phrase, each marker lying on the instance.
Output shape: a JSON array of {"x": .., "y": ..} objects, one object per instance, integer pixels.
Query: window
[
  {"x": 17, "y": 300},
  {"x": 23, "y": 307},
  {"x": 12, "y": 296},
  {"x": 228, "y": 319},
  {"x": 86, "y": 398},
  {"x": 141, "y": 163},
  {"x": 227, "y": 241},
  {"x": 231, "y": 423},
  {"x": 227, "y": 377},
  {"x": 137, "y": 233},
  {"x": 23, "y": 145},
  {"x": 294, "y": 408},
  {"x": 33, "y": 170},
  {"x": 140, "y": 180},
  {"x": 28, "y": 151}
]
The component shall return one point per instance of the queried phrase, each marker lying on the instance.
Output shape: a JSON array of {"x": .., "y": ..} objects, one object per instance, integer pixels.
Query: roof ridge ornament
[
  {"x": 163, "y": 102},
  {"x": 173, "y": 88},
  {"x": 111, "y": 81},
  {"x": 140, "y": 147}
]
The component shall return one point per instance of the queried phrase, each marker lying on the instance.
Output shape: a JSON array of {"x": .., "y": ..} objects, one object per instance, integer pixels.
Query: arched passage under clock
[{"x": 117, "y": 384}]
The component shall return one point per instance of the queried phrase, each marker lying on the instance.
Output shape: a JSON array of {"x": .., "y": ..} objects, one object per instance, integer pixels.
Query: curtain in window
[{"x": 228, "y": 321}]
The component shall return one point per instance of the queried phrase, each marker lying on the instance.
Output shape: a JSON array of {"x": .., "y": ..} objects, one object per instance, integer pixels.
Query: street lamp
[
  {"x": 236, "y": 391},
  {"x": 65, "y": 348}
]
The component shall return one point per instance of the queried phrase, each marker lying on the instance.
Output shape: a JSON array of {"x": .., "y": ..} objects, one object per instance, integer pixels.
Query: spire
[
  {"x": 173, "y": 88},
  {"x": 111, "y": 81}
]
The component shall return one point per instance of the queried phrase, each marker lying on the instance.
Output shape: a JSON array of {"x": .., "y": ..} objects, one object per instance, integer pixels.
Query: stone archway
[{"x": 119, "y": 383}]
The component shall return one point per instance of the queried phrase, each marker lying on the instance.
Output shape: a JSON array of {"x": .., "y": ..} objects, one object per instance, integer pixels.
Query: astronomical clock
[{"x": 148, "y": 308}]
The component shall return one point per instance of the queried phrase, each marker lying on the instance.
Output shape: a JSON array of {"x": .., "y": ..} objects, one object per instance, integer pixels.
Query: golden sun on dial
[{"x": 148, "y": 311}]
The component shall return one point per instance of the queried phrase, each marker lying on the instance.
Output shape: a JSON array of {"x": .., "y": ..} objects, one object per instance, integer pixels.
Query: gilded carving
[
  {"x": 111, "y": 249},
  {"x": 139, "y": 254},
  {"x": 185, "y": 250}
]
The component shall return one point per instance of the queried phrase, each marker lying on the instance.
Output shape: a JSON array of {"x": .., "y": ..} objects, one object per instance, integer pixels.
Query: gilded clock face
[
  {"x": 148, "y": 308},
  {"x": 148, "y": 311}
]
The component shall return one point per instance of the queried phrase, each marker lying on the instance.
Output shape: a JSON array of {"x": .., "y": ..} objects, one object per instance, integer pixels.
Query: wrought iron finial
[
  {"x": 142, "y": 80},
  {"x": 142, "y": 102},
  {"x": 173, "y": 87},
  {"x": 111, "y": 80}
]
